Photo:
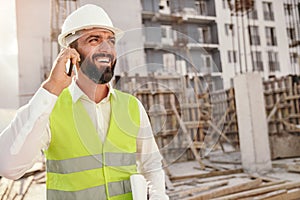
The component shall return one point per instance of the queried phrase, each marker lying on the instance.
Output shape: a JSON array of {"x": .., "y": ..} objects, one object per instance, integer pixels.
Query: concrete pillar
[{"x": 252, "y": 122}]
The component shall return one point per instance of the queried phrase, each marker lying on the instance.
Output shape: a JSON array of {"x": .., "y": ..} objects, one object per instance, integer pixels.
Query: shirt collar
[{"x": 77, "y": 93}]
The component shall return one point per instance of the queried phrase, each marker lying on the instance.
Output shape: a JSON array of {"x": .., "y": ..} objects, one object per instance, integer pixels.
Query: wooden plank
[
  {"x": 266, "y": 178},
  {"x": 19, "y": 189},
  {"x": 169, "y": 184},
  {"x": 209, "y": 174},
  {"x": 279, "y": 112},
  {"x": 294, "y": 168},
  {"x": 227, "y": 190},
  {"x": 162, "y": 121},
  {"x": 258, "y": 191},
  {"x": 275, "y": 108},
  {"x": 25, "y": 185},
  {"x": 274, "y": 195},
  {"x": 219, "y": 132},
  {"x": 187, "y": 137},
  {"x": 174, "y": 125},
  {"x": 191, "y": 191},
  {"x": 208, "y": 164},
  {"x": 4, "y": 183},
  {"x": 296, "y": 102},
  {"x": 264, "y": 185},
  {"x": 222, "y": 177},
  {"x": 8, "y": 189},
  {"x": 293, "y": 194},
  {"x": 192, "y": 181},
  {"x": 18, "y": 197},
  {"x": 3, "y": 190}
]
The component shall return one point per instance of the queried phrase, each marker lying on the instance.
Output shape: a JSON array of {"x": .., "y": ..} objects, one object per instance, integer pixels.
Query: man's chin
[{"x": 104, "y": 79}]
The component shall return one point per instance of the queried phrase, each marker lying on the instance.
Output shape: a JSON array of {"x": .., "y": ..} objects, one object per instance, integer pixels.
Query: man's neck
[{"x": 95, "y": 92}]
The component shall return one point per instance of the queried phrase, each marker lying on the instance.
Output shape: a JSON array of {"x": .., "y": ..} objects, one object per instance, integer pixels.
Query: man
[{"x": 94, "y": 137}]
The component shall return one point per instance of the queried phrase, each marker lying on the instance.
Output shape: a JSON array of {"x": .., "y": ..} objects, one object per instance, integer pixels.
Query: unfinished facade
[{"x": 182, "y": 36}]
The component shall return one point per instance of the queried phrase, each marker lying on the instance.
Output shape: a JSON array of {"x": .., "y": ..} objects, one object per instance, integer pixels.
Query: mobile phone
[{"x": 70, "y": 68}]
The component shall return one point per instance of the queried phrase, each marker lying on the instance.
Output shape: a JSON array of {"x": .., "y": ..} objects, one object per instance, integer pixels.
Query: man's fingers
[
  {"x": 69, "y": 53},
  {"x": 74, "y": 55}
]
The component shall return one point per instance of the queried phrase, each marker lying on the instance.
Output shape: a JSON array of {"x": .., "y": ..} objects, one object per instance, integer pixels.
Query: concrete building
[
  {"x": 257, "y": 40},
  {"x": 236, "y": 40},
  {"x": 9, "y": 75},
  {"x": 203, "y": 37},
  {"x": 36, "y": 51},
  {"x": 182, "y": 37}
]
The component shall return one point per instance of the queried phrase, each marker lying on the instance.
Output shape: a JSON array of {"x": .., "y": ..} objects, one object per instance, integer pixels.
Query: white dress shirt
[{"x": 28, "y": 133}]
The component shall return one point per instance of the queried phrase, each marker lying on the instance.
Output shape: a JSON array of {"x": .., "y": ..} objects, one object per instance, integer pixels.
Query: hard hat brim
[{"x": 62, "y": 37}]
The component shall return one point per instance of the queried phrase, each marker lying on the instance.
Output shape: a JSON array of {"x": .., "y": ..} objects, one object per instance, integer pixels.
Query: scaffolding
[{"x": 60, "y": 9}]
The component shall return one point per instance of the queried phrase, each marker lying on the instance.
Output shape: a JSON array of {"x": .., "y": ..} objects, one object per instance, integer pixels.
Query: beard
[{"x": 99, "y": 75}]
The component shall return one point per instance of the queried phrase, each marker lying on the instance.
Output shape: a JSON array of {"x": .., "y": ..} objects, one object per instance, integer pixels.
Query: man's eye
[
  {"x": 113, "y": 40},
  {"x": 94, "y": 40}
]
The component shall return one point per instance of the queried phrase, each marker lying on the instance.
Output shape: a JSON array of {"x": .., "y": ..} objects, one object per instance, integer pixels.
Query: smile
[{"x": 102, "y": 58}]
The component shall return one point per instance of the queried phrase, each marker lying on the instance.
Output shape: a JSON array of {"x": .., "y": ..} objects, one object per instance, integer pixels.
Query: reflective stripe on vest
[
  {"x": 91, "y": 193},
  {"x": 79, "y": 166},
  {"x": 90, "y": 162}
]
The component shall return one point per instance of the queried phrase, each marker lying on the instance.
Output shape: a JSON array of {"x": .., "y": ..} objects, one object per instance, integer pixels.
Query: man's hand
[{"x": 58, "y": 78}]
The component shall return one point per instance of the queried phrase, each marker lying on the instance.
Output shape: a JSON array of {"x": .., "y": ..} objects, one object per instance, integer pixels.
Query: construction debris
[
  {"x": 186, "y": 181},
  {"x": 192, "y": 126},
  {"x": 230, "y": 184},
  {"x": 18, "y": 189}
]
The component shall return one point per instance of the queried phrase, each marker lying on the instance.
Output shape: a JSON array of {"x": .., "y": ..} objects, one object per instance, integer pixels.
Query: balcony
[
  {"x": 258, "y": 66},
  {"x": 207, "y": 46},
  {"x": 271, "y": 41},
  {"x": 274, "y": 66},
  {"x": 252, "y": 14},
  {"x": 255, "y": 40},
  {"x": 185, "y": 15},
  {"x": 181, "y": 44},
  {"x": 171, "y": 39},
  {"x": 269, "y": 16}
]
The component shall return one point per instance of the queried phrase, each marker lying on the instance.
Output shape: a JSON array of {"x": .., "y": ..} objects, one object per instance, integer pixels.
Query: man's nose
[{"x": 105, "y": 46}]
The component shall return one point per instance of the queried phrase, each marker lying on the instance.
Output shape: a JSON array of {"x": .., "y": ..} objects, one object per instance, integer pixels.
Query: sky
[{"x": 8, "y": 55}]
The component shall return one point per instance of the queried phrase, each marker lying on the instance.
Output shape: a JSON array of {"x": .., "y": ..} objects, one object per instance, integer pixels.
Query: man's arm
[
  {"x": 22, "y": 140},
  {"x": 150, "y": 160}
]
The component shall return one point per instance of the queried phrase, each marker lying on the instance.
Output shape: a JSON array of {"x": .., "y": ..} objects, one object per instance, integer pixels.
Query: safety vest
[{"x": 79, "y": 165}]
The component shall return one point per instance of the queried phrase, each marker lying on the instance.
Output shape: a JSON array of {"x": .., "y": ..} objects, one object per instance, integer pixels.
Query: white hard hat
[{"x": 86, "y": 17}]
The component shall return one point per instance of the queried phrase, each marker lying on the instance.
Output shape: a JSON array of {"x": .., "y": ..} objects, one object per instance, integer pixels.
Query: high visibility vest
[{"x": 79, "y": 165}]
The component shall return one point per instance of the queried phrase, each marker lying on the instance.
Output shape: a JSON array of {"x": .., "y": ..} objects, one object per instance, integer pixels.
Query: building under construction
[
  {"x": 214, "y": 40},
  {"x": 218, "y": 79}
]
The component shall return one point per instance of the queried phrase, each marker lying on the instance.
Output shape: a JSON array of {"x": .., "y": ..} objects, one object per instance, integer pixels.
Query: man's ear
[{"x": 74, "y": 45}]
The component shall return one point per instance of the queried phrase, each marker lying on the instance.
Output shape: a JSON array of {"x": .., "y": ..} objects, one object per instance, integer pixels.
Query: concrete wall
[
  {"x": 227, "y": 43},
  {"x": 150, "y": 5},
  {"x": 178, "y": 5},
  {"x": 33, "y": 26},
  {"x": 9, "y": 88},
  {"x": 126, "y": 15},
  {"x": 33, "y": 32},
  {"x": 252, "y": 120}
]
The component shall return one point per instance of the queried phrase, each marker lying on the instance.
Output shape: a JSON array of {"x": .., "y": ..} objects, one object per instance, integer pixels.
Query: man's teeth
[{"x": 103, "y": 60}]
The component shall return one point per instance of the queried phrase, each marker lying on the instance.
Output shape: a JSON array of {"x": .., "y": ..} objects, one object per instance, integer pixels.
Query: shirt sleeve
[
  {"x": 23, "y": 139},
  {"x": 149, "y": 159}
]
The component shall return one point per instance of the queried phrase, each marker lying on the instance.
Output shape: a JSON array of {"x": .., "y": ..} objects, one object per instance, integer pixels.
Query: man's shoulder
[{"x": 122, "y": 93}]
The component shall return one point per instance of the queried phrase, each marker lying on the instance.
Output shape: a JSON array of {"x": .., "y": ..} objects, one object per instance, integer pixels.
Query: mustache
[{"x": 108, "y": 55}]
